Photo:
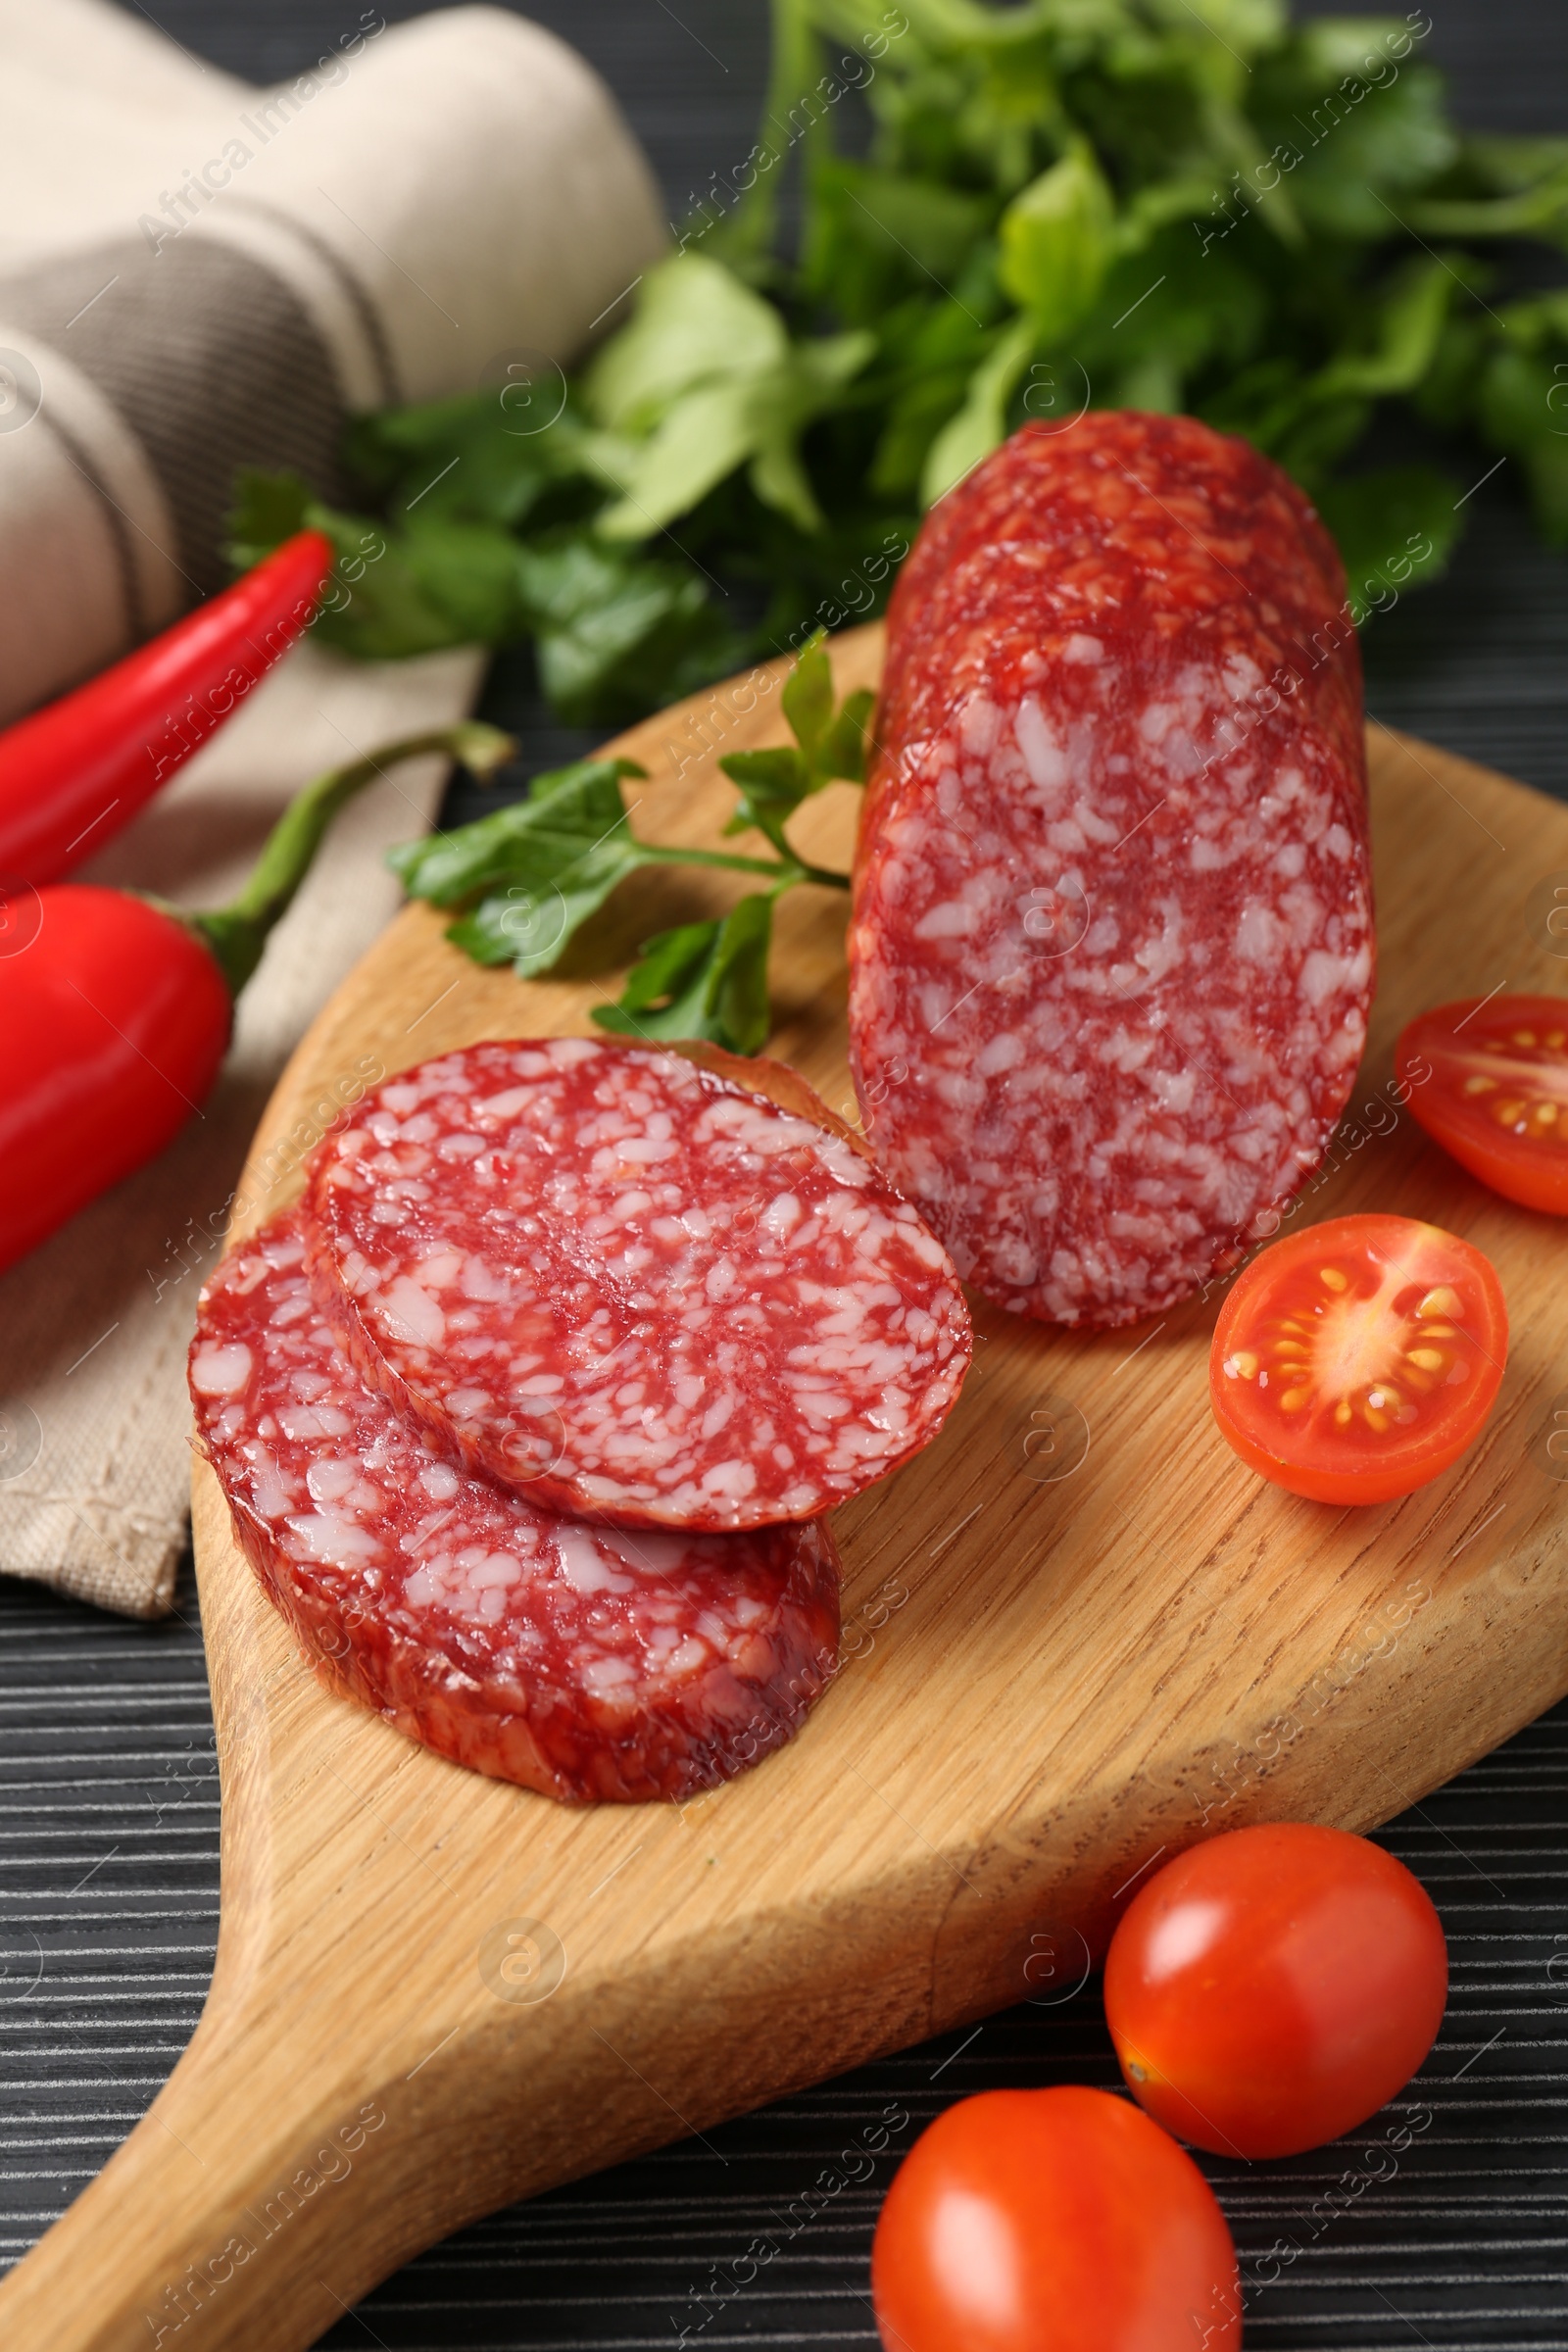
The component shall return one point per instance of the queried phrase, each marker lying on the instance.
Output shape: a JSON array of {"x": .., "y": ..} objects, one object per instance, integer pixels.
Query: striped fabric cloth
[{"x": 194, "y": 276}]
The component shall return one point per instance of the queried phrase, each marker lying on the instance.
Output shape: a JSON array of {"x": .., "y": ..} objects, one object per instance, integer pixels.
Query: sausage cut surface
[
  {"x": 632, "y": 1288},
  {"x": 586, "y": 1662},
  {"x": 1111, "y": 952}
]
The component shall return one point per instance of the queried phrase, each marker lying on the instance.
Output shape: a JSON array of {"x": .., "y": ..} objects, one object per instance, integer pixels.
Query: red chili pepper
[
  {"x": 73, "y": 772},
  {"x": 116, "y": 1011}
]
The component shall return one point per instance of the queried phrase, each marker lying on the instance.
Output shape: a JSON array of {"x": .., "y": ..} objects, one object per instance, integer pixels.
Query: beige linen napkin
[
  {"x": 195, "y": 275},
  {"x": 94, "y": 1418}
]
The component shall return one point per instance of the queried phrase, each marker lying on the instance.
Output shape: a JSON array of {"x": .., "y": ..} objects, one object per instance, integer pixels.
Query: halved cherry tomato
[
  {"x": 1489, "y": 1081},
  {"x": 1275, "y": 1987},
  {"x": 1358, "y": 1359},
  {"x": 1063, "y": 2218}
]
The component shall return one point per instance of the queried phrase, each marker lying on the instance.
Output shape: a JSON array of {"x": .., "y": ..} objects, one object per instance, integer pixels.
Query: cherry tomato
[
  {"x": 1065, "y": 2218},
  {"x": 1273, "y": 1988},
  {"x": 1358, "y": 1358},
  {"x": 1489, "y": 1081}
]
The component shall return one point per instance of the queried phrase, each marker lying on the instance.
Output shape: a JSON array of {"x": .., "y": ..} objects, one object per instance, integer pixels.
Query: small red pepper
[
  {"x": 75, "y": 772},
  {"x": 117, "y": 1010}
]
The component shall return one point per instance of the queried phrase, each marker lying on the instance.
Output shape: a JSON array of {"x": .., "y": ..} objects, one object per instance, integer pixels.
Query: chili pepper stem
[{"x": 237, "y": 933}]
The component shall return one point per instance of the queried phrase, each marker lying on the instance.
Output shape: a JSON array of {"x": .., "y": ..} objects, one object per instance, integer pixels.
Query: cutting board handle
[
  {"x": 356, "y": 2085},
  {"x": 311, "y": 2136},
  {"x": 1040, "y": 1687}
]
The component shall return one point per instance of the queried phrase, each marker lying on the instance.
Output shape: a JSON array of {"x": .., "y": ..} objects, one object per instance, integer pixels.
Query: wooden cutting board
[{"x": 1078, "y": 1633}]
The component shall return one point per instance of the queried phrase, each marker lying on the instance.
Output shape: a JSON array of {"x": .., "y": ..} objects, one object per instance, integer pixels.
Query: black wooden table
[{"x": 109, "y": 1791}]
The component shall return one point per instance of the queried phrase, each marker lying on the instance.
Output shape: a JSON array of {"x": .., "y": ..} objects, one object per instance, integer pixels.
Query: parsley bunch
[{"x": 1159, "y": 203}]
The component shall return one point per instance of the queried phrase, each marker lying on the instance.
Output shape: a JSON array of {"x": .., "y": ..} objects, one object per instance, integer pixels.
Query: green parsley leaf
[
  {"x": 531, "y": 874},
  {"x": 1524, "y": 409},
  {"x": 392, "y": 594},
  {"x": 702, "y": 980},
  {"x": 808, "y": 698},
  {"x": 981, "y": 424},
  {"x": 1169, "y": 312},
  {"x": 576, "y": 804},
  {"x": 832, "y": 743},
  {"x": 702, "y": 380},
  {"x": 1393, "y": 528},
  {"x": 538, "y": 868},
  {"x": 1411, "y": 308},
  {"x": 1057, "y": 243},
  {"x": 772, "y": 785},
  {"x": 843, "y": 745},
  {"x": 466, "y": 571},
  {"x": 695, "y": 323},
  {"x": 1350, "y": 128},
  {"x": 484, "y": 457},
  {"x": 268, "y": 509},
  {"x": 875, "y": 238},
  {"x": 617, "y": 631}
]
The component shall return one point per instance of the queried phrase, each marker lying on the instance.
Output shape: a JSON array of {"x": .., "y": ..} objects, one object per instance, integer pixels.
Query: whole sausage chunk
[
  {"x": 1111, "y": 950},
  {"x": 581, "y": 1661},
  {"x": 633, "y": 1286}
]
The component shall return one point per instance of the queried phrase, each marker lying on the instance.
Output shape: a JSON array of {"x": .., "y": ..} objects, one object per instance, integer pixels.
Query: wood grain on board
[{"x": 1078, "y": 1635}]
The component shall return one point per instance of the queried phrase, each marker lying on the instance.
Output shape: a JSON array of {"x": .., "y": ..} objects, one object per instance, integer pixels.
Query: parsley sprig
[{"x": 526, "y": 880}]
